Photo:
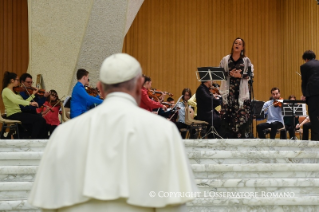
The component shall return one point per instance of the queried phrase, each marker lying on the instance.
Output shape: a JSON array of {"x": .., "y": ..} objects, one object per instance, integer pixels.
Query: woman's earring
[{"x": 241, "y": 53}]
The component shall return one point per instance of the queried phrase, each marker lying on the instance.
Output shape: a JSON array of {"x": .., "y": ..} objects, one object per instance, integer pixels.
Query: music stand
[
  {"x": 204, "y": 74},
  {"x": 257, "y": 110}
]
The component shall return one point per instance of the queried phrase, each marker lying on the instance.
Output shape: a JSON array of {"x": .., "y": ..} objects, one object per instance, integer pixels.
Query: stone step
[
  {"x": 17, "y": 173},
  {"x": 254, "y": 208},
  {"x": 255, "y": 201},
  {"x": 251, "y": 148},
  {"x": 270, "y": 182},
  {"x": 20, "y": 158},
  {"x": 18, "y": 205},
  {"x": 296, "y": 191},
  {"x": 252, "y": 154},
  {"x": 22, "y": 145},
  {"x": 253, "y": 160},
  {"x": 234, "y": 143},
  {"x": 254, "y": 167},
  {"x": 15, "y": 190},
  {"x": 257, "y": 174}
]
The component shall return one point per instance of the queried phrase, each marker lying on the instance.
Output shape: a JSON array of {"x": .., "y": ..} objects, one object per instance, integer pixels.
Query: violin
[
  {"x": 41, "y": 92},
  {"x": 29, "y": 90},
  {"x": 214, "y": 90},
  {"x": 19, "y": 89},
  {"x": 278, "y": 102},
  {"x": 156, "y": 94},
  {"x": 166, "y": 103},
  {"x": 92, "y": 91},
  {"x": 54, "y": 103}
]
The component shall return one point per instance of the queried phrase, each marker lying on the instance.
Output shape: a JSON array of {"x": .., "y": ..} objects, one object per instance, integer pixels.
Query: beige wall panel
[
  {"x": 103, "y": 37},
  {"x": 132, "y": 9},
  {"x": 56, "y": 30}
]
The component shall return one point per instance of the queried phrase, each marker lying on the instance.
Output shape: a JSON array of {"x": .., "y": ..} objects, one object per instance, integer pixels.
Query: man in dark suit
[
  {"x": 204, "y": 106},
  {"x": 310, "y": 90}
]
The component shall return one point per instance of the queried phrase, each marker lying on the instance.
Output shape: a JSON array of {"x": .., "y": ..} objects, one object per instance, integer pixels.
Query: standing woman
[
  {"x": 235, "y": 92},
  {"x": 12, "y": 101}
]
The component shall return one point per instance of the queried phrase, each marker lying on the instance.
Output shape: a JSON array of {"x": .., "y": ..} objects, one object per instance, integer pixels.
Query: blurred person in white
[{"x": 111, "y": 158}]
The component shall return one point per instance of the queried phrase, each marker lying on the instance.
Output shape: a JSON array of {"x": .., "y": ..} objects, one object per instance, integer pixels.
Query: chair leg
[
  {"x": 4, "y": 126},
  {"x": 17, "y": 130},
  {"x": 187, "y": 134}
]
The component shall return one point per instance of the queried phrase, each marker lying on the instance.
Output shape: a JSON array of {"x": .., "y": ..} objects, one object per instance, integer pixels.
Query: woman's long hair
[{"x": 8, "y": 76}]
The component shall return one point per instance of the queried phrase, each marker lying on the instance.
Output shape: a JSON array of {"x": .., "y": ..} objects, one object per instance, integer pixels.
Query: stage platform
[{"x": 239, "y": 175}]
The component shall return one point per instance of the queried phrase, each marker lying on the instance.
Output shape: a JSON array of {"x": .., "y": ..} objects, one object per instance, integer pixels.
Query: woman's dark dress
[{"x": 235, "y": 120}]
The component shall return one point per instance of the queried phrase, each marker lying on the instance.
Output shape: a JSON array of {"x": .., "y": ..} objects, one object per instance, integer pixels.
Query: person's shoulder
[
  {"x": 226, "y": 57},
  {"x": 246, "y": 59}
]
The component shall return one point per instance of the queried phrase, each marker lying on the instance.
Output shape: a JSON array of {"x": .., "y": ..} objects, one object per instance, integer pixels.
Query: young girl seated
[{"x": 50, "y": 111}]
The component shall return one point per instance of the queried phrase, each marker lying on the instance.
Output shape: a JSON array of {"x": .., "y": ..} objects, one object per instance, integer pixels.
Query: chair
[
  {"x": 193, "y": 125},
  {"x": 11, "y": 124},
  {"x": 268, "y": 130},
  {"x": 64, "y": 112}
]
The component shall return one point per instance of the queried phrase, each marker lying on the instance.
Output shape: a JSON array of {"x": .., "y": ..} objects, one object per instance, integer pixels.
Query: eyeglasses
[
  {"x": 30, "y": 82},
  {"x": 54, "y": 95}
]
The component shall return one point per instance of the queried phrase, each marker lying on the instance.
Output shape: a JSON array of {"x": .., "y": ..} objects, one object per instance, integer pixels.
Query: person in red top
[
  {"x": 50, "y": 111},
  {"x": 146, "y": 102}
]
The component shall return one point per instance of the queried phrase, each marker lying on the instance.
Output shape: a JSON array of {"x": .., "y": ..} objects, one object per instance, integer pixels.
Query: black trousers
[
  {"x": 181, "y": 125},
  {"x": 35, "y": 122},
  {"x": 273, "y": 126},
  {"x": 305, "y": 129},
  {"x": 313, "y": 110},
  {"x": 291, "y": 131},
  {"x": 50, "y": 128}
]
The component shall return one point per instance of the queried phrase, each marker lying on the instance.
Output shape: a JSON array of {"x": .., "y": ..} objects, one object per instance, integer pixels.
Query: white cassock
[{"x": 110, "y": 159}]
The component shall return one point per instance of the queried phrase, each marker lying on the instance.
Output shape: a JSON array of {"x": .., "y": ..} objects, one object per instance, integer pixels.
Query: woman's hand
[{"x": 235, "y": 73}]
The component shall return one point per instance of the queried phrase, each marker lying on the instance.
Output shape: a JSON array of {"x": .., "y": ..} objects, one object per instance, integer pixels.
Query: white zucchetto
[{"x": 119, "y": 68}]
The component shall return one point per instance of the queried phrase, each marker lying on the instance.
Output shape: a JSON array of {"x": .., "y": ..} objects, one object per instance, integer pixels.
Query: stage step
[{"x": 267, "y": 170}]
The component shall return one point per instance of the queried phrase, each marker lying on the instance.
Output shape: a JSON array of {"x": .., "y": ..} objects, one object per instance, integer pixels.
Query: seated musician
[
  {"x": 306, "y": 124},
  {"x": 26, "y": 82},
  {"x": 12, "y": 101},
  {"x": 204, "y": 106},
  {"x": 192, "y": 101},
  {"x": 288, "y": 121},
  {"x": 180, "y": 122},
  {"x": 50, "y": 111},
  {"x": 81, "y": 100},
  {"x": 275, "y": 118},
  {"x": 169, "y": 111},
  {"x": 146, "y": 102}
]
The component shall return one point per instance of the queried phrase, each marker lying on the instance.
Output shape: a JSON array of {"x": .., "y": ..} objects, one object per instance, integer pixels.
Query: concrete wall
[{"x": 67, "y": 35}]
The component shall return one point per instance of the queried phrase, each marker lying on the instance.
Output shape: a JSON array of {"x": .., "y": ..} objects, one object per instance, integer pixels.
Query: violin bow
[{"x": 27, "y": 91}]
